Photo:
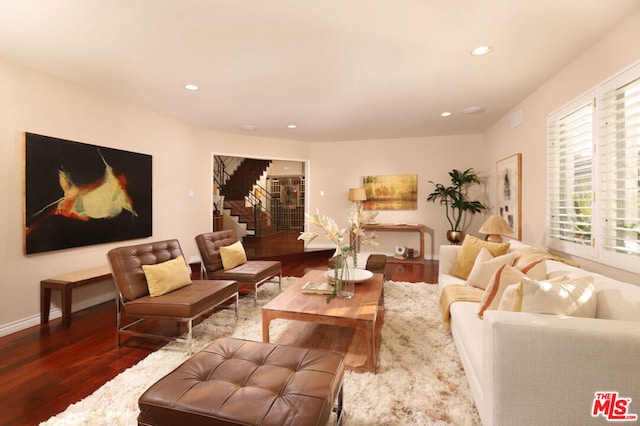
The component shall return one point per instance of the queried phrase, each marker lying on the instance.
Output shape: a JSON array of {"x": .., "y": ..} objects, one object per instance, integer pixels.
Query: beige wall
[
  {"x": 615, "y": 52},
  {"x": 34, "y": 102},
  {"x": 182, "y": 155},
  {"x": 336, "y": 167}
]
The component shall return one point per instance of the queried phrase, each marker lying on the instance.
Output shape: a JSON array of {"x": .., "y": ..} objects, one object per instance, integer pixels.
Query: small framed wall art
[
  {"x": 391, "y": 192},
  {"x": 509, "y": 192}
]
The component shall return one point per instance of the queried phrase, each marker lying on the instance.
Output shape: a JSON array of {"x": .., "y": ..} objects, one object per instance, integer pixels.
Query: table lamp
[
  {"x": 495, "y": 227},
  {"x": 357, "y": 194}
]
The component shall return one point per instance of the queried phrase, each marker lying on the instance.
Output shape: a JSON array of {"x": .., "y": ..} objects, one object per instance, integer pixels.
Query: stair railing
[
  {"x": 262, "y": 208},
  {"x": 259, "y": 211}
]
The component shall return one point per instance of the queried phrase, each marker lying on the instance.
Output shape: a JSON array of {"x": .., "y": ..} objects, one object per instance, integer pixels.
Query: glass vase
[{"x": 345, "y": 286}]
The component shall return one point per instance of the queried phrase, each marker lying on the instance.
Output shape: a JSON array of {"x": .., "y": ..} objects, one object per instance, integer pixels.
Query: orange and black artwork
[{"x": 78, "y": 194}]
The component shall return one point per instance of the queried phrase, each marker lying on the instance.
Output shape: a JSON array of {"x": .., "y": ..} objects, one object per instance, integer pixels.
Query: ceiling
[{"x": 338, "y": 69}]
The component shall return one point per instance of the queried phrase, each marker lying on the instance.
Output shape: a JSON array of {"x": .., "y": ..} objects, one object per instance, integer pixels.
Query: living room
[{"x": 35, "y": 101}]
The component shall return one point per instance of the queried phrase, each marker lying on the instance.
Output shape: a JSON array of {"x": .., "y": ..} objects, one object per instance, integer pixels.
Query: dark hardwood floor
[{"x": 45, "y": 368}]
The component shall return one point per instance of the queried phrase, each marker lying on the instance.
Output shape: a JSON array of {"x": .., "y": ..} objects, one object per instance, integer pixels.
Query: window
[
  {"x": 569, "y": 191},
  {"x": 620, "y": 169},
  {"x": 593, "y": 173}
]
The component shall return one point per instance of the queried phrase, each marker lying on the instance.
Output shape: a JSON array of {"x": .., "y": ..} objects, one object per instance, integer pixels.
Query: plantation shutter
[
  {"x": 620, "y": 166},
  {"x": 569, "y": 175}
]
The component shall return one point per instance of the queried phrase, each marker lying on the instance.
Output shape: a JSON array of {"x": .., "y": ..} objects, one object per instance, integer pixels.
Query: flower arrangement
[
  {"x": 347, "y": 240},
  {"x": 342, "y": 237}
]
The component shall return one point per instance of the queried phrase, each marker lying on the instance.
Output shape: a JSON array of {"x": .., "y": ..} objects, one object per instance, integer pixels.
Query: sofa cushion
[
  {"x": 468, "y": 252},
  {"x": 468, "y": 336},
  {"x": 485, "y": 266},
  {"x": 527, "y": 254},
  {"x": 575, "y": 297},
  {"x": 165, "y": 277},
  {"x": 233, "y": 255},
  {"x": 185, "y": 302},
  {"x": 617, "y": 300},
  {"x": 250, "y": 272}
]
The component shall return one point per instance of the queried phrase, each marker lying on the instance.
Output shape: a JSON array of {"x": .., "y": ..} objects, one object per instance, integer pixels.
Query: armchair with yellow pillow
[
  {"x": 224, "y": 258},
  {"x": 153, "y": 282}
]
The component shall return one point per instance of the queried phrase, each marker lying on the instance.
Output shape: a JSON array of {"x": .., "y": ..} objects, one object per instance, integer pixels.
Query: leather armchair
[
  {"x": 184, "y": 304},
  {"x": 253, "y": 272}
]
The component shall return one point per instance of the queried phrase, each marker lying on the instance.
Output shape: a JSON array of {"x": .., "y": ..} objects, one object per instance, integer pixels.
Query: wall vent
[{"x": 516, "y": 119}]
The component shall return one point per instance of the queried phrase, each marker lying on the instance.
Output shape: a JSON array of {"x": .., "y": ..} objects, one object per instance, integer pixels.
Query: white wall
[
  {"x": 286, "y": 168},
  {"x": 336, "y": 167},
  {"x": 34, "y": 102},
  {"x": 616, "y": 51}
]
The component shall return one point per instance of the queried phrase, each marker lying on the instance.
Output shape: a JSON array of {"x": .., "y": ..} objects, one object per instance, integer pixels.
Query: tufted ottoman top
[{"x": 240, "y": 382}]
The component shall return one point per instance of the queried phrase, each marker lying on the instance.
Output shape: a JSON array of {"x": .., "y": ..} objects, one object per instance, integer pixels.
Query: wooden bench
[{"x": 65, "y": 283}]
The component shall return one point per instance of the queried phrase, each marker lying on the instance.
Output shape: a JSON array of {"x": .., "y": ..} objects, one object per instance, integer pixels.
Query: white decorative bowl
[{"x": 355, "y": 275}]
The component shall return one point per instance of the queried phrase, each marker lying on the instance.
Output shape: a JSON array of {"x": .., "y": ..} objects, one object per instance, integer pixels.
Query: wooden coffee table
[{"x": 348, "y": 326}]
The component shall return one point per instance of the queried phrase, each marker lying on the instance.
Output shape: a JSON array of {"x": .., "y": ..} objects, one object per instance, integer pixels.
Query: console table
[
  {"x": 401, "y": 228},
  {"x": 65, "y": 283}
]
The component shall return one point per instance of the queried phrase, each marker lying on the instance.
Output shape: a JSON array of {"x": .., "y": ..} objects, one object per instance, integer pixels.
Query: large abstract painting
[
  {"x": 391, "y": 192},
  {"x": 78, "y": 194}
]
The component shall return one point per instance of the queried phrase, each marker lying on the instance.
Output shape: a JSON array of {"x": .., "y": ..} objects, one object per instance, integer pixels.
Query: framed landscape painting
[
  {"x": 509, "y": 192},
  {"x": 391, "y": 192},
  {"x": 77, "y": 194}
]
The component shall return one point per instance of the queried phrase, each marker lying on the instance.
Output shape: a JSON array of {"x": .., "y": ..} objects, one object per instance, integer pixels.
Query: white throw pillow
[
  {"x": 536, "y": 269},
  {"x": 501, "y": 279},
  {"x": 573, "y": 296},
  {"x": 512, "y": 296},
  {"x": 485, "y": 266}
]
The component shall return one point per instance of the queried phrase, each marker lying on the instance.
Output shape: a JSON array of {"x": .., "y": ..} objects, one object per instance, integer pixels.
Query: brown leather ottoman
[
  {"x": 377, "y": 263},
  {"x": 241, "y": 382}
]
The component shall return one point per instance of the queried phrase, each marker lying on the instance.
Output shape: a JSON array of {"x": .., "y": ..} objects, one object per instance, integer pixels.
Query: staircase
[
  {"x": 241, "y": 182},
  {"x": 237, "y": 188},
  {"x": 246, "y": 215}
]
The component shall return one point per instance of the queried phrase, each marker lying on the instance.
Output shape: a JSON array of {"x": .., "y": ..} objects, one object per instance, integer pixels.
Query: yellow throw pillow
[
  {"x": 165, "y": 277},
  {"x": 233, "y": 255},
  {"x": 468, "y": 252}
]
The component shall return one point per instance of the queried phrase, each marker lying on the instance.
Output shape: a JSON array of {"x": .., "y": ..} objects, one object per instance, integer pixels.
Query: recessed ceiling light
[
  {"x": 473, "y": 110},
  {"x": 191, "y": 87},
  {"x": 248, "y": 127},
  {"x": 481, "y": 50},
  {"x": 291, "y": 126},
  {"x": 446, "y": 114}
]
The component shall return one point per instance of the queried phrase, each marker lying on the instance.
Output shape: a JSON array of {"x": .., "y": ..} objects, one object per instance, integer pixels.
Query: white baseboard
[{"x": 34, "y": 320}]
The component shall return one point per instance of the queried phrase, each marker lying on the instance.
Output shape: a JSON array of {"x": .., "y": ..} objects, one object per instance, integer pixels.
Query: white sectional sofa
[{"x": 539, "y": 369}]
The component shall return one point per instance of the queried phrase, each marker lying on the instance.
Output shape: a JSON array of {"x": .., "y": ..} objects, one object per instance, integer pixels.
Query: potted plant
[{"x": 456, "y": 201}]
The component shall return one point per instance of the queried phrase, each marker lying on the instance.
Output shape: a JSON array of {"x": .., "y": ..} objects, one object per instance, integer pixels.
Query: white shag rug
[{"x": 420, "y": 380}]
